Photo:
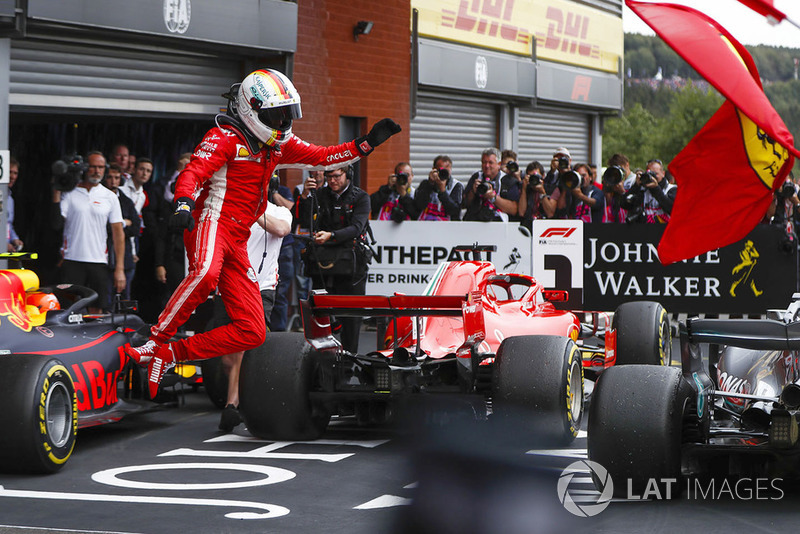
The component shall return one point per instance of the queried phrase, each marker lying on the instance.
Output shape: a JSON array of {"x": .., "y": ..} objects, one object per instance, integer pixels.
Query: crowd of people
[
  {"x": 153, "y": 256},
  {"x": 210, "y": 228},
  {"x": 502, "y": 190}
]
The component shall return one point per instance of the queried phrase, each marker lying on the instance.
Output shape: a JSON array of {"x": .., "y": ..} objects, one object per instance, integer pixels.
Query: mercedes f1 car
[
  {"x": 494, "y": 340},
  {"x": 59, "y": 370},
  {"x": 736, "y": 413}
]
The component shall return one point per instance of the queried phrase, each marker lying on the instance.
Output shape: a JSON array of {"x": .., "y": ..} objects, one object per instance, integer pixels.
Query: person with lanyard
[
  {"x": 339, "y": 233},
  {"x": 439, "y": 197}
]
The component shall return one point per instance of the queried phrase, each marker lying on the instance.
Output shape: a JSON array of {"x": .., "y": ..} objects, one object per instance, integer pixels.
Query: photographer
[
  {"x": 395, "y": 200},
  {"x": 614, "y": 192},
  {"x": 439, "y": 197},
  {"x": 590, "y": 200},
  {"x": 650, "y": 195},
  {"x": 491, "y": 195},
  {"x": 534, "y": 202},
  {"x": 83, "y": 212},
  {"x": 560, "y": 183},
  {"x": 783, "y": 212},
  {"x": 336, "y": 260}
]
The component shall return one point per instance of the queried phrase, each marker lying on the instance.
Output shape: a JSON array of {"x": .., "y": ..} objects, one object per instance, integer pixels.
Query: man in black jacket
[
  {"x": 395, "y": 200},
  {"x": 439, "y": 197},
  {"x": 339, "y": 229},
  {"x": 130, "y": 225}
]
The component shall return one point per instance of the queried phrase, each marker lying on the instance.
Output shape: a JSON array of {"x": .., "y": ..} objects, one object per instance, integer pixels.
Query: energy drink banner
[
  {"x": 750, "y": 276},
  {"x": 600, "y": 265},
  {"x": 407, "y": 253}
]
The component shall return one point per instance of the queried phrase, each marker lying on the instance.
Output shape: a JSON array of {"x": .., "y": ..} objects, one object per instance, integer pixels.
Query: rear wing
[
  {"x": 757, "y": 334},
  {"x": 320, "y": 306}
]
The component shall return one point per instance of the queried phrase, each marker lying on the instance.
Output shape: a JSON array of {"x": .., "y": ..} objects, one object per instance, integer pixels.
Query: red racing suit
[{"x": 229, "y": 185}]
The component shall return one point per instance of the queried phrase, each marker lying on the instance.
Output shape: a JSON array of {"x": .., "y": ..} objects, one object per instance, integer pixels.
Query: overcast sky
[{"x": 746, "y": 25}]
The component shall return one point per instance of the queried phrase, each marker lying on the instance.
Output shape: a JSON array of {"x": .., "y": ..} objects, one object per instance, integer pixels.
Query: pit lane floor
[{"x": 171, "y": 471}]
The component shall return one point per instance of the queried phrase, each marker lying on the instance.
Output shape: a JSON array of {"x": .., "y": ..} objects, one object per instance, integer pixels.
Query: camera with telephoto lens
[
  {"x": 563, "y": 163},
  {"x": 401, "y": 178},
  {"x": 68, "y": 172},
  {"x": 612, "y": 177},
  {"x": 482, "y": 189},
  {"x": 512, "y": 167},
  {"x": 444, "y": 174},
  {"x": 533, "y": 180},
  {"x": 569, "y": 179},
  {"x": 787, "y": 190}
]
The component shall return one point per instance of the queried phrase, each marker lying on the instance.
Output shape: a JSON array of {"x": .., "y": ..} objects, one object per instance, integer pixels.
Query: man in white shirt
[
  {"x": 85, "y": 211},
  {"x": 263, "y": 248}
]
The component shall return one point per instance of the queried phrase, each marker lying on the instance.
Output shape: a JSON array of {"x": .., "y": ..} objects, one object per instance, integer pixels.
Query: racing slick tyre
[
  {"x": 39, "y": 419},
  {"x": 537, "y": 388},
  {"x": 643, "y": 334},
  {"x": 635, "y": 427},
  {"x": 215, "y": 381},
  {"x": 274, "y": 383}
]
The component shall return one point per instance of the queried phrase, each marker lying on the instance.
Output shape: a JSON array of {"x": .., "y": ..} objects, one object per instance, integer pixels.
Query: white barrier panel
[
  {"x": 558, "y": 239},
  {"x": 407, "y": 253}
]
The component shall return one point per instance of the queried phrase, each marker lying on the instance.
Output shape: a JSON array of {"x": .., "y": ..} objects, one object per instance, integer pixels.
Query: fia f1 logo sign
[
  {"x": 557, "y": 253},
  {"x": 557, "y": 232}
]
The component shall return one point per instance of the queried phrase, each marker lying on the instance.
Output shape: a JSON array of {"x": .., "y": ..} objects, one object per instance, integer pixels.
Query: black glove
[
  {"x": 380, "y": 132},
  {"x": 182, "y": 217}
]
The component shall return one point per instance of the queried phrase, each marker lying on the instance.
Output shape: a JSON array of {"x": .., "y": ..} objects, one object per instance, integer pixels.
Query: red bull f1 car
[
  {"x": 733, "y": 412},
  {"x": 61, "y": 369},
  {"x": 496, "y": 341}
]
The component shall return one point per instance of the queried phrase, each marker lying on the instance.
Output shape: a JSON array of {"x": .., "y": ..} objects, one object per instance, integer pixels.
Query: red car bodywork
[{"x": 512, "y": 304}]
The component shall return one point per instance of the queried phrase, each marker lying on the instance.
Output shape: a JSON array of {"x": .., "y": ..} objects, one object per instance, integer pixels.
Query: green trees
[
  {"x": 643, "y": 135},
  {"x": 659, "y": 119}
]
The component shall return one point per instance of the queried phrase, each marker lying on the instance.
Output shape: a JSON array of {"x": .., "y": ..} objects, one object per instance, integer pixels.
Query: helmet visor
[{"x": 281, "y": 117}]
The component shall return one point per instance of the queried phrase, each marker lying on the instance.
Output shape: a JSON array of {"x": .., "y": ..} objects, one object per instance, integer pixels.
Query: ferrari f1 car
[
  {"x": 494, "y": 340},
  {"x": 59, "y": 370},
  {"x": 736, "y": 414}
]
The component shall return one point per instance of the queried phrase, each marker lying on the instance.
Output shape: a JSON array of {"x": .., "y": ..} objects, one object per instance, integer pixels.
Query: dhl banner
[{"x": 565, "y": 32}]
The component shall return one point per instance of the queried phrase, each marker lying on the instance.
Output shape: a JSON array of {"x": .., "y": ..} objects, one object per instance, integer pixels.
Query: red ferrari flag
[
  {"x": 745, "y": 141},
  {"x": 766, "y": 8}
]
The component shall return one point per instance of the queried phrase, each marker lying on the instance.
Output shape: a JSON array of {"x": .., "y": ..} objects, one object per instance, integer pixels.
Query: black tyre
[
  {"x": 273, "y": 390},
  {"x": 643, "y": 334},
  {"x": 39, "y": 415},
  {"x": 635, "y": 426},
  {"x": 537, "y": 388},
  {"x": 215, "y": 381}
]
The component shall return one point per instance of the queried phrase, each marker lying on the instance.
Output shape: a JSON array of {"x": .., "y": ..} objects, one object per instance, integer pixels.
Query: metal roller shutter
[
  {"x": 543, "y": 130},
  {"x": 461, "y": 128},
  {"x": 609, "y": 6},
  {"x": 103, "y": 77}
]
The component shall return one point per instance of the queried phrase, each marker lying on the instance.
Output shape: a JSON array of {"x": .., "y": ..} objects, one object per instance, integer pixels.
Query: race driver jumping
[{"x": 223, "y": 189}]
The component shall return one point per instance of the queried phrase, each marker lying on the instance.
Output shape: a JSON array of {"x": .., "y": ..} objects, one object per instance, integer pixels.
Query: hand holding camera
[
  {"x": 439, "y": 178},
  {"x": 484, "y": 189},
  {"x": 647, "y": 179}
]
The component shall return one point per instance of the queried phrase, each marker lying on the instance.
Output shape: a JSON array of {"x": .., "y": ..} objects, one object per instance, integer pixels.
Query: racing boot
[
  {"x": 142, "y": 354},
  {"x": 160, "y": 363},
  {"x": 230, "y": 418}
]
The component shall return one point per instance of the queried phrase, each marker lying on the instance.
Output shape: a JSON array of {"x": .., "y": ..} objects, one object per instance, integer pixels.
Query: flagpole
[{"x": 793, "y": 23}]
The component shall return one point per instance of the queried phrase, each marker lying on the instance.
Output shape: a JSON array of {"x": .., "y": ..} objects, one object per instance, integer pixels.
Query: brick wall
[{"x": 337, "y": 76}]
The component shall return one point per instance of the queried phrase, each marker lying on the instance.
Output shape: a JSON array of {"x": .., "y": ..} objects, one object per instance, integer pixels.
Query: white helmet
[{"x": 267, "y": 104}]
